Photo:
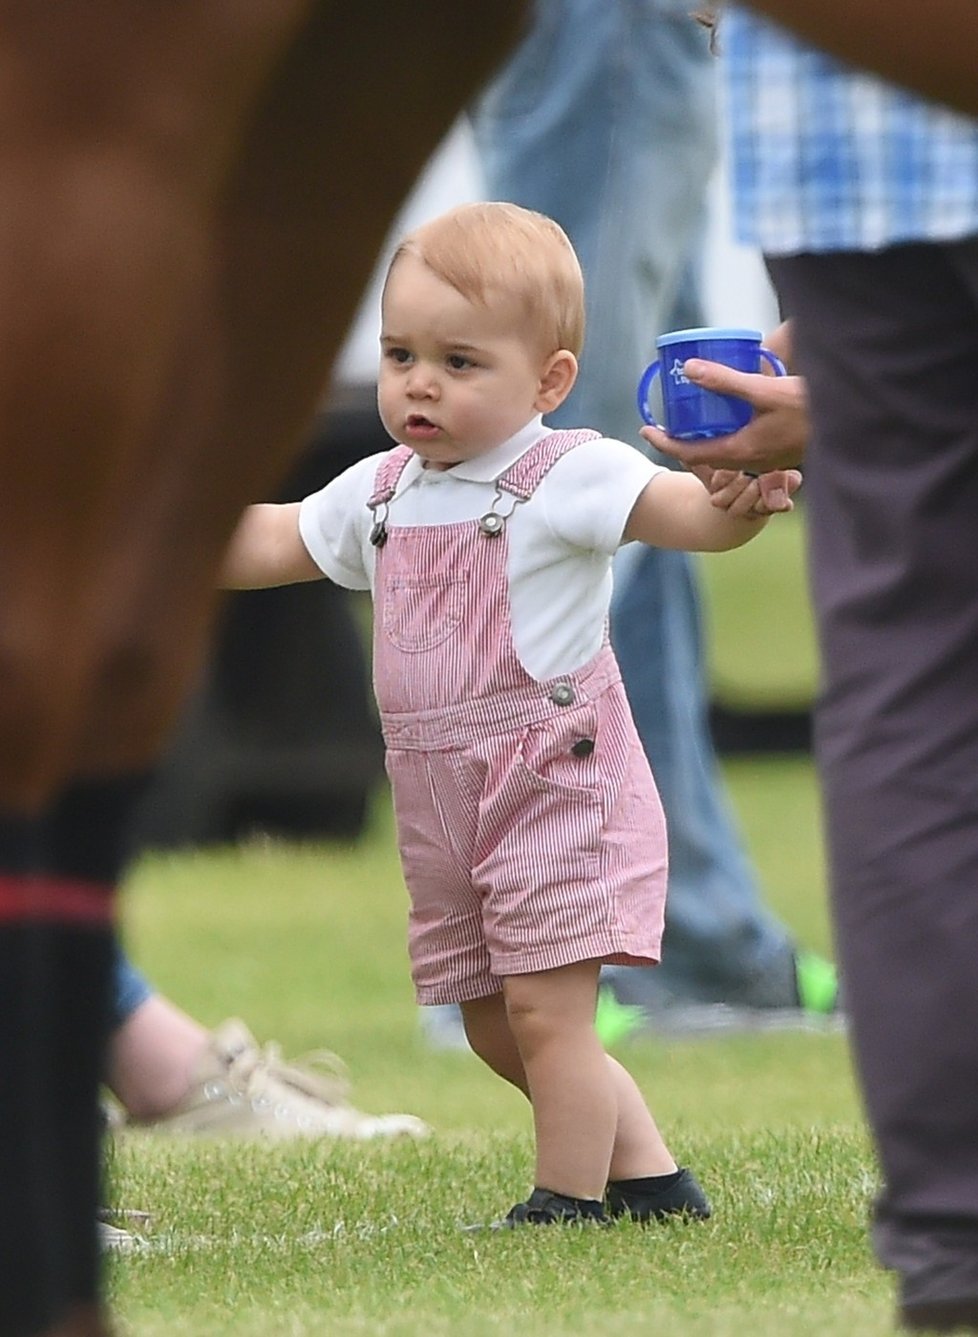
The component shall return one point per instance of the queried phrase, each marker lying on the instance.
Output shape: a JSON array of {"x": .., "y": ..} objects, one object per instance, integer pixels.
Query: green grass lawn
[
  {"x": 307, "y": 944},
  {"x": 761, "y": 638}
]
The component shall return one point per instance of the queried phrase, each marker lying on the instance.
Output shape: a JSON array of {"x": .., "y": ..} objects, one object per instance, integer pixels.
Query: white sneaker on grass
[
  {"x": 241, "y": 1089},
  {"x": 113, "y": 1238}
]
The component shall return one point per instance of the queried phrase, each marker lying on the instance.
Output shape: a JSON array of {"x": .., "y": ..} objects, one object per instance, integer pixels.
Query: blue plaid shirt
[{"x": 825, "y": 158}]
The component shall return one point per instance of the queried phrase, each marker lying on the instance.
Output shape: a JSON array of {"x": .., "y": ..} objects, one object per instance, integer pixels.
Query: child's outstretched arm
[
  {"x": 677, "y": 510},
  {"x": 266, "y": 549}
]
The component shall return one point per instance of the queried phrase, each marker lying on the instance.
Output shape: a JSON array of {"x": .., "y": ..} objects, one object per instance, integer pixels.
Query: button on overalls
[{"x": 529, "y": 826}]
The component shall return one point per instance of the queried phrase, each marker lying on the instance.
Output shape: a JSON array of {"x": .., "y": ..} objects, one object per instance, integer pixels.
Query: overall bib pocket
[{"x": 420, "y": 613}]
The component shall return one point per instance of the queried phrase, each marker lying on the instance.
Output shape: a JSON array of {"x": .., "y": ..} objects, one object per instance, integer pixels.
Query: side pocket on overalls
[
  {"x": 559, "y": 768},
  {"x": 561, "y": 753}
]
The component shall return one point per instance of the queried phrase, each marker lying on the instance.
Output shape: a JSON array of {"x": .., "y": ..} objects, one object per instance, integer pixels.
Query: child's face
[{"x": 456, "y": 378}]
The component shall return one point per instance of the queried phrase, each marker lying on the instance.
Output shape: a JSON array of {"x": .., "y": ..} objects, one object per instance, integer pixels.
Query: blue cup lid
[{"x": 707, "y": 332}]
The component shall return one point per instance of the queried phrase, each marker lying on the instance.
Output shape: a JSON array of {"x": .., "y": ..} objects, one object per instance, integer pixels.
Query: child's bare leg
[
  {"x": 639, "y": 1149},
  {"x": 642, "y": 1174},
  {"x": 490, "y": 1038},
  {"x": 571, "y": 1087}
]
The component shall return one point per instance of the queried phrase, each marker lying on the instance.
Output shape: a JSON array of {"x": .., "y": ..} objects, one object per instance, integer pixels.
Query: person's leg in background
[
  {"x": 722, "y": 944},
  {"x": 171, "y": 1074},
  {"x": 605, "y": 119},
  {"x": 888, "y": 343}
]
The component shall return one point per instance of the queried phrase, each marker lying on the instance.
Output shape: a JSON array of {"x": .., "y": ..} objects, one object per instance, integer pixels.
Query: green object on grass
[
  {"x": 818, "y": 983},
  {"x": 615, "y": 1021}
]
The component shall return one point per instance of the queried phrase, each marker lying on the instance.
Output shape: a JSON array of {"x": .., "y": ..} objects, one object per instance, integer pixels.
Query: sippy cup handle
[
  {"x": 644, "y": 386},
  {"x": 654, "y": 368},
  {"x": 779, "y": 368}
]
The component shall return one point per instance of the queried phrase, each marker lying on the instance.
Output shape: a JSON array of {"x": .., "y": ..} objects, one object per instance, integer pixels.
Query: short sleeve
[
  {"x": 335, "y": 523},
  {"x": 590, "y": 492}
]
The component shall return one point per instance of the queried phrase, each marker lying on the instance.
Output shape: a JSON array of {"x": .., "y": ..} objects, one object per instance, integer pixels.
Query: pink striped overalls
[{"x": 530, "y": 829}]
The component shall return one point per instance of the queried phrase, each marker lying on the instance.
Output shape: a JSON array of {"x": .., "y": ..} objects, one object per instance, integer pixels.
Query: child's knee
[{"x": 531, "y": 1020}]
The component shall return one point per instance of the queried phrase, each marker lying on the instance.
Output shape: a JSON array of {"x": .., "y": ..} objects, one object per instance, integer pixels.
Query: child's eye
[
  {"x": 399, "y": 355},
  {"x": 458, "y": 362}
]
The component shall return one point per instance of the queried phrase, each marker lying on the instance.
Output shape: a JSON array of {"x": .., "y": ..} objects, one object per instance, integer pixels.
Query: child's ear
[{"x": 556, "y": 381}]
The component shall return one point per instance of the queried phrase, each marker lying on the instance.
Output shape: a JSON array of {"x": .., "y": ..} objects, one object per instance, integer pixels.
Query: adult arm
[{"x": 930, "y": 46}]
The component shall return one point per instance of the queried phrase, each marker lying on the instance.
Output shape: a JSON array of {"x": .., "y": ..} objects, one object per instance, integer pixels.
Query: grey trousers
[{"x": 889, "y": 344}]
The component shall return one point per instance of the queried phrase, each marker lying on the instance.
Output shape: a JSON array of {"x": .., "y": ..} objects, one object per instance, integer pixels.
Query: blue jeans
[
  {"x": 605, "y": 120},
  {"x": 129, "y": 989}
]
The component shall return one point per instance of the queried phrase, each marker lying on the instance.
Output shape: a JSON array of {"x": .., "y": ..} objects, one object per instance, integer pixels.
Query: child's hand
[{"x": 753, "y": 497}]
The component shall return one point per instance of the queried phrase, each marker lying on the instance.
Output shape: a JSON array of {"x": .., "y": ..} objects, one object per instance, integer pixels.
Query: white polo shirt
[{"x": 560, "y": 543}]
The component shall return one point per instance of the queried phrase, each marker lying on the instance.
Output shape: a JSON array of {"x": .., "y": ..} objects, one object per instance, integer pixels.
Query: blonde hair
[{"x": 488, "y": 249}]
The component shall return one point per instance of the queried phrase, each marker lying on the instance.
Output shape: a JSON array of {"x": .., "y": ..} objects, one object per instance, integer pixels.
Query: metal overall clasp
[
  {"x": 378, "y": 530},
  {"x": 494, "y": 521}
]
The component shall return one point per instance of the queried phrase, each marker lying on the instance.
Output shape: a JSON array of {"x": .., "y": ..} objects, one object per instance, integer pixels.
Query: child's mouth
[{"x": 420, "y": 427}]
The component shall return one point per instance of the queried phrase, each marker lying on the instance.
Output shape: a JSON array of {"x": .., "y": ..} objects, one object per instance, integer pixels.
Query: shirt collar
[{"x": 493, "y": 463}]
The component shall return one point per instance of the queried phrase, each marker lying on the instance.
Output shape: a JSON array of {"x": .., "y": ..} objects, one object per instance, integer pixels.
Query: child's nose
[{"x": 422, "y": 382}]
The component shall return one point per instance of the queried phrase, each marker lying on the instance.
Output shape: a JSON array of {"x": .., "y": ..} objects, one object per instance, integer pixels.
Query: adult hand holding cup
[
  {"x": 691, "y": 412},
  {"x": 776, "y": 437}
]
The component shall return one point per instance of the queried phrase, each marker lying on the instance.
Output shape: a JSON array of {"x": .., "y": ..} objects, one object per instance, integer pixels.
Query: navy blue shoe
[
  {"x": 684, "y": 1197},
  {"x": 544, "y": 1208}
]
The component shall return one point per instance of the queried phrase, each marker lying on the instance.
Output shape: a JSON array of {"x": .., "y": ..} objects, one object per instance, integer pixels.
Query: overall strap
[
  {"x": 388, "y": 475},
  {"x": 526, "y": 474}
]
